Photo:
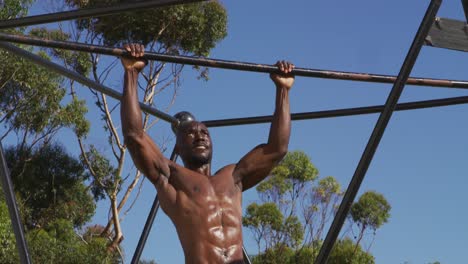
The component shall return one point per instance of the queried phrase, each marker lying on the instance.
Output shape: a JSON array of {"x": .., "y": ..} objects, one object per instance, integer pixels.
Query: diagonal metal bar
[
  {"x": 13, "y": 209},
  {"x": 378, "y": 132},
  {"x": 339, "y": 112},
  {"x": 233, "y": 65},
  {"x": 146, "y": 230},
  {"x": 149, "y": 223},
  {"x": 81, "y": 79},
  {"x": 90, "y": 12},
  {"x": 465, "y": 8},
  {"x": 246, "y": 256}
]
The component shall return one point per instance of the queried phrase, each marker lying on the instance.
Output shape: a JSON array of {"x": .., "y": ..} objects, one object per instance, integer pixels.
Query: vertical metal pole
[
  {"x": 377, "y": 133},
  {"x": 149, "y": 223},
  {"x": 13, "y": 209}
]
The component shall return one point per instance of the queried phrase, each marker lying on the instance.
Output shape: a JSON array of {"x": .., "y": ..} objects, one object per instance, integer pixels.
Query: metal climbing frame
[
  {"x": 90, "y": 12},
  {"x": 384, "y": 110},
  {"x": 13, "y": 210}
]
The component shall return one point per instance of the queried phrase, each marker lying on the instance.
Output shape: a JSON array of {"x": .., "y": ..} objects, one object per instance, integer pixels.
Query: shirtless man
[{"x": 205, "y": 208}]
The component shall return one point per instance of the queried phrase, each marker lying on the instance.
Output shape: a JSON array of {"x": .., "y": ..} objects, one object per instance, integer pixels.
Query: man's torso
[{"x": 208, "y": 215}]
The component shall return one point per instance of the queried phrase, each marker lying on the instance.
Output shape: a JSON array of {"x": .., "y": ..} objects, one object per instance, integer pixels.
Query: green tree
[
  {"x": 285, "y": 234},
  {"x": 275, "y": 255},
  {"x": 36, "y": 104},
  {"x": 264, "y": 220},
  {"x": 342, "y": 253},
  {"x": 192, "y": 29},
  {"x": 54, "y": 203},
  {"x": 50, "y": 185},
  {"x": 14, "y": 8},
  {"x": 347, "y": 252},
  {"x": 319, "y": 207},
  {"x": 288, "y": 180},
  {"x": 371, "y": 211},
  {"x": 32, "y": 107},
  {"x": 64, "y": 245},
  {"x": 8, "y": 252}
]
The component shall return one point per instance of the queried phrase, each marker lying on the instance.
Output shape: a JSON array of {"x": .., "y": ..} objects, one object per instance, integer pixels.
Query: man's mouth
[{"x": 200, "y": 147}]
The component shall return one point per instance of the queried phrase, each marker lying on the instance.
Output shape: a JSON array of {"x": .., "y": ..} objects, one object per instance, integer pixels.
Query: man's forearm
[
  {"x": 280, "y": 129},
  {"x": 130, "y": 112}
]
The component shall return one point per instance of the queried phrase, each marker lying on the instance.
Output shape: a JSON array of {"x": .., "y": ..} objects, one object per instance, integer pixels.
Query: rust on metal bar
[{"x": 233, "y": 65}]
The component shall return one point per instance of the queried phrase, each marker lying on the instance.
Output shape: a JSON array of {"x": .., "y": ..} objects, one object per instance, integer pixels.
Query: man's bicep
[
  {"x": 150, "y": 161},
  {"x": 147, "y": 156},
  {"x": 255, "y": 166}
]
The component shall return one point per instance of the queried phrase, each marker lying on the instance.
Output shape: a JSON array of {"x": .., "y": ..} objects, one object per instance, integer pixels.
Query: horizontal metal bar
[
  {"x": 259, "y": 119},
  {"x": 90, "y": 12},
  {"x": 339, "y": 112},
  {"x": 81, "y": 79},
  {"x": 233, "y": 65}
]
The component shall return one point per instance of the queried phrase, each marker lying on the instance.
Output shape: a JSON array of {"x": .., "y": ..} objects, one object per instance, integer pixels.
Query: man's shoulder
[{"x": 228, "y": 169}]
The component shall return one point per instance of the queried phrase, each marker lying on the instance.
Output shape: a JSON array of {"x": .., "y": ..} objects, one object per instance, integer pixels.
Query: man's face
[{"x": 194, "y": 143}]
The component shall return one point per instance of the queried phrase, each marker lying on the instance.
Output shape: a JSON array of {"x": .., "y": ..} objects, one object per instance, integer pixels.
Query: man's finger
[
  {"x": 142, "y": 50},
  {"x": 127, "y": 47},
  {"x": 137, "y": 50},
  {"x": 282, "y": 66},
  {"x": 133, "y": 49},
  {"x": 287, "y": 67}
]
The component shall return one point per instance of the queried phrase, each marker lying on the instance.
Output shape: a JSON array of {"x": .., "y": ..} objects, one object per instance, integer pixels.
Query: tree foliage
[
  {"x": 31, "y": 101},
  {"x": 371, "y": 210},
  {"x": 54, "y": 202},
  {"x": 14, "y": 8},
  {"x": 36, "y": 104},
  {"x": 32, "y": 97},
  {"x": 342, "y": 253},
  {"x": 58, "y": 242},
  {"x": 289, "y": 177},
  {"x": 8, "y": 252},
  {"x": 194, "y": 28},
  {"x": 190, "y": 29},
  {"x": 50, "y": 184},
  {"x": 77, "y": 61},
  {"x": 288, "y": 233}
]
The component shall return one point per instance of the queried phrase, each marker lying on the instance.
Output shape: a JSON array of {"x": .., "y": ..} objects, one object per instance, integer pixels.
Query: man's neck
[{"x": 204, "y": 169}]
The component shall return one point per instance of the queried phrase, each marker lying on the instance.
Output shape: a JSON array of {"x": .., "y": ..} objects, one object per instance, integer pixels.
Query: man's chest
[{"x": 209, "y": 196}]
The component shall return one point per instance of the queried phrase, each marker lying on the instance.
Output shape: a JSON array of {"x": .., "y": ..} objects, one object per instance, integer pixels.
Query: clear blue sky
[{"x": 421, "y": 165}]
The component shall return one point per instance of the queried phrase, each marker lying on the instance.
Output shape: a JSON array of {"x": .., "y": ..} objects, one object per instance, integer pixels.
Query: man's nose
[{"x": 199, "y": 135}]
